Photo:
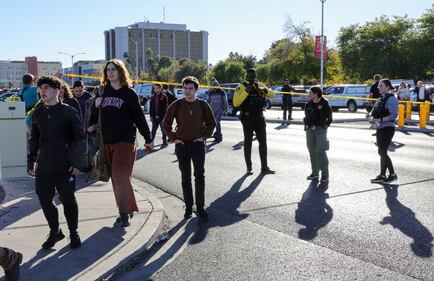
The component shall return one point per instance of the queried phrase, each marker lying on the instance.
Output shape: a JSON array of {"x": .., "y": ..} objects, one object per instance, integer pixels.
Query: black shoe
[
  {"x": 249, "y": 170},
  {"x": 218, "y": 140},
  {"x": 202, "y": 214},
  {"x": 163, "y": 145},
  {"x": 312, "y": 177},
  {"x": 324, "y": 179},
  {"x": 13, "y": 273},
  {"x": 75, "y": 241},
  {"x": 391, "y": 178},
  {"x": 267, "y": 171},
  {"x": 52, "y": 239},
  {"x": 124, "y": 219},
  {"x": 188, "y": 213},
  {"x": 378, "y": 179}
]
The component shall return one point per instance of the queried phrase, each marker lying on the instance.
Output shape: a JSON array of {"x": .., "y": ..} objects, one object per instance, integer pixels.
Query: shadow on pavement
[
  {"x": 67, "y": 263},
  {"x": 404, "y": 219},
  {"x": 284, "y": 125},
  {"x": 22, "y": 200},
  {"x": 209, "y": 147},
  {"x": 313, "y": 211}
]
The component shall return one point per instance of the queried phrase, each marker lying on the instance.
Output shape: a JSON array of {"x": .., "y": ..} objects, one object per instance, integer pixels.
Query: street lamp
[
  {"x": 72, "y": 59},
  {"x": 322, "y": 43},
  {"x": 137, "y": 57}
]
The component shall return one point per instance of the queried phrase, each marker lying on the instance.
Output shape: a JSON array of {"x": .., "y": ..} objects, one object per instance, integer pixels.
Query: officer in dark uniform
[
  {"x": 287, "y": 101},
  {"x": 251, "y": 97}
]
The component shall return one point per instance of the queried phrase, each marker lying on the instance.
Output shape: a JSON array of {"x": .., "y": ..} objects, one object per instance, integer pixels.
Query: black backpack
[
  {"x": 255, "y": 102},
  {"x": 379, "y": 110}
]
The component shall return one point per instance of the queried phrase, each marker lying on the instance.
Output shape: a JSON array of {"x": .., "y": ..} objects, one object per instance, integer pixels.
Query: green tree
[
  {"x": 227, "y": 71},
  {"x": 190, "y": 68}
]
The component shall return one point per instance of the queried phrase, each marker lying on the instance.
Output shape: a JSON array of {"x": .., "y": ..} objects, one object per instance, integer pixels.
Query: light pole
[
  {"x": 137, "y": 57},
  {"x": 72, "y": 60},
  {"x": 322, "y": 43}
]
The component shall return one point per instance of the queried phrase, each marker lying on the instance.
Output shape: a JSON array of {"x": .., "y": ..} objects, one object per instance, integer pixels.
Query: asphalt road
[{"x": 282, "y": 227}]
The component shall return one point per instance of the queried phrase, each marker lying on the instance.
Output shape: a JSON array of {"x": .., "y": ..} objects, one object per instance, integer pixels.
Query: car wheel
[{"x": 352, "y": 106}]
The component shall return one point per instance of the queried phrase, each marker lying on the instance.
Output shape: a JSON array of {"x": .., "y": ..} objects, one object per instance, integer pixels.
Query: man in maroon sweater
[{"x": 195, "y": 123}]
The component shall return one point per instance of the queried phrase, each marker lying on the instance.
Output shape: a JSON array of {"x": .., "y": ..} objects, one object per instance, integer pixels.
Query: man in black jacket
[
  {"x": 157, "y": 111},
  {"x": 57, "y": 145},
  {"x": 287, "y": 101}
]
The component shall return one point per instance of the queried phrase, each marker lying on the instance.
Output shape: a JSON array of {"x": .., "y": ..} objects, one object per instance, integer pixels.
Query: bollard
[
  {"x": 408, "y": 110},
  {"x": 428, "y": 110},
  {"x": 422, "y": 117},
  {"x": 400, "y": 115}
]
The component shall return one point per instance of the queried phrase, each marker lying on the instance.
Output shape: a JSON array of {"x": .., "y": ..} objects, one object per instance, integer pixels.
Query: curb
[{"x": 142, "y": 240}]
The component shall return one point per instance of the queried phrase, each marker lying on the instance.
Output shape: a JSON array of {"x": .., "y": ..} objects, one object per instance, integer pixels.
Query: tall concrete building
[
  {"x": 164, "y": 39},
  {"x": 11, "y": 72}
]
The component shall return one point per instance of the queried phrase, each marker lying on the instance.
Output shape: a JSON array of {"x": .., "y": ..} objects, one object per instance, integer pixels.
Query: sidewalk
[{"x": 105, "y": 247}]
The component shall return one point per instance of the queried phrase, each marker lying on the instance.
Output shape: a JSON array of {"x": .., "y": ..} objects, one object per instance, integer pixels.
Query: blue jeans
[
  {"x": 218, "y": 129},
  {"x": 155, "y": 123}
]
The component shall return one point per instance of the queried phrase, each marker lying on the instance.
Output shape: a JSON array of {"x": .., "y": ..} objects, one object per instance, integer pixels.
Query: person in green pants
[{"x": 318, "y": 117}]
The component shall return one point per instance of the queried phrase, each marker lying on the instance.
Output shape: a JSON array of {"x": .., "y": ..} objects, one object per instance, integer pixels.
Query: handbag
[{"x": 102, "y": 168}]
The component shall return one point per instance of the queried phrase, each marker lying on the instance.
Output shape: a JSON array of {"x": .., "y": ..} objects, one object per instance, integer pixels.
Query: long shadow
[
  {"x": 429, "y": 134},
  {"x": 141, "y": 153},
  {"x": 404, "y": 219},
  {"x": 67, "y": 263},
  {"x": 313, "y": 211},
  {"x": 196, "y": 230},
  {"x": 238, "y": 145},
  {"x": 23, "y": 201}
]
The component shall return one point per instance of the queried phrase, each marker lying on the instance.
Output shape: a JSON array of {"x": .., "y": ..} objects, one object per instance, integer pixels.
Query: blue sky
[{"x": 45, "y": 27}]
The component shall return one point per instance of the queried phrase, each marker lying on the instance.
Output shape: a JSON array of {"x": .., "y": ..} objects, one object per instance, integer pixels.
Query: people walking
[
  {"x": 218, "y": 101},
  {"x": 28, "y": 94},
  {"x": 251, "y": 97},
  {"x": 81, "y": 95},
  {"x": 384, "y": 113},
  {"x": 121, "y": 114},
  {"x": 287, "y": 101},
  {"x": 170, "y": 96},
  {"x": 195, "y": 123},
  {"x": 158, "y": 107},
  {"x": 318, "y": 117},
  {"x": 56, "y": 145}
]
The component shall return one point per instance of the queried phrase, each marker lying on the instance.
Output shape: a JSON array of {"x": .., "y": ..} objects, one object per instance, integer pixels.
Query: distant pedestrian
[
  {"x": 158, "y": 107},
  {"x": 422, "y": 93},
  {"x": 251, "y": 97},
  {"x": 81, "y": 95},
  {"x": 287, "y": 101},
  {"x": 403, "y": 93},
  {"x": 384, "y": 113},
  {"x": 318, "y": 117},
  {"x": 218, "y": 101},
  {"x": 56, "y": 145},
  {"x": 170, "y": 96},
  {"x": 195, "y": 123},
  {"x": 66, "y": 96},
  {"x": 121, "y": 114},
  {"x": 29, "y": 95},
  {"x": 373, "y": 91}
]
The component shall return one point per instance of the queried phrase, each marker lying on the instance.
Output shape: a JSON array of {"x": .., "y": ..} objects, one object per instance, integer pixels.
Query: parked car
[
  {"x": 413, "y": 97},
  {"x": 232, "y": 111},
  {"x": 144, "y": 91},
  {"x": 349, "y": 97},
  {"x": 201, "y": 93}
]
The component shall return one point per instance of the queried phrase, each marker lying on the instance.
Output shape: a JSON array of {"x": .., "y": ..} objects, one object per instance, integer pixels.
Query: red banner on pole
[{"x": 318, "y": 47}]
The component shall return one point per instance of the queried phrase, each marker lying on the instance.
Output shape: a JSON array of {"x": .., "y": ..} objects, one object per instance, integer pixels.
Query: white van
[{"x": 346, "y": 96}]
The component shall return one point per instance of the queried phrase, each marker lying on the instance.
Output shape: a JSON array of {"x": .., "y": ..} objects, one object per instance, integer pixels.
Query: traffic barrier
[
  {"x": 422, "y": 116},
  {"x": 408, "y": 110},
  {"x": 401, "y": 110}
]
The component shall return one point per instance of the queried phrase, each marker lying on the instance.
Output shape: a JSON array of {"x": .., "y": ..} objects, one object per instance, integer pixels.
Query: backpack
[
  {"x": 379, "y": 110},
  {"x": 255, "y": 101}
]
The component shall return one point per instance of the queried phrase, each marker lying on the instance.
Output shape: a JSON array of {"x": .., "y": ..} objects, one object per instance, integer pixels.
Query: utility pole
[{"x": 322, "y": 44}]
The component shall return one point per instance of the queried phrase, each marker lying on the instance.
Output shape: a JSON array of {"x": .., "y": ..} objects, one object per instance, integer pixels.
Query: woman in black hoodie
[{"x": 121, "y": 114}]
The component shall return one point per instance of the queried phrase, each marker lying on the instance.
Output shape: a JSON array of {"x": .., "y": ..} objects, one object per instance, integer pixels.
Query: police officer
[
  {"x": 251, "y": 97},
  {"x": 318, "y": 117},
  {"x": 287, "y": 101}
]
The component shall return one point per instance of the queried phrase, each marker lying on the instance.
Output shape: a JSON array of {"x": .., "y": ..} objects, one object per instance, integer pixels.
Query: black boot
[{"x": 52, "y": 239}]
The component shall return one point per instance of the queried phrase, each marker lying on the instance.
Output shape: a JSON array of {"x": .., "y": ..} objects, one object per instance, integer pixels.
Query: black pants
[
  {"x": 156, "y": 122},
  {"x": 384, "y": 138},
  {"x": 254, "y": 124},
  {"x": 187, "y": 153},
  {"x": 287, "y": 109},
  {"x": 46, "y": 184}
]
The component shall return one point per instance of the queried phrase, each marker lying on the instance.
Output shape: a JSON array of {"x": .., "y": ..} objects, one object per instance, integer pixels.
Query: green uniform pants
[{"x": 317, "y": 144}]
